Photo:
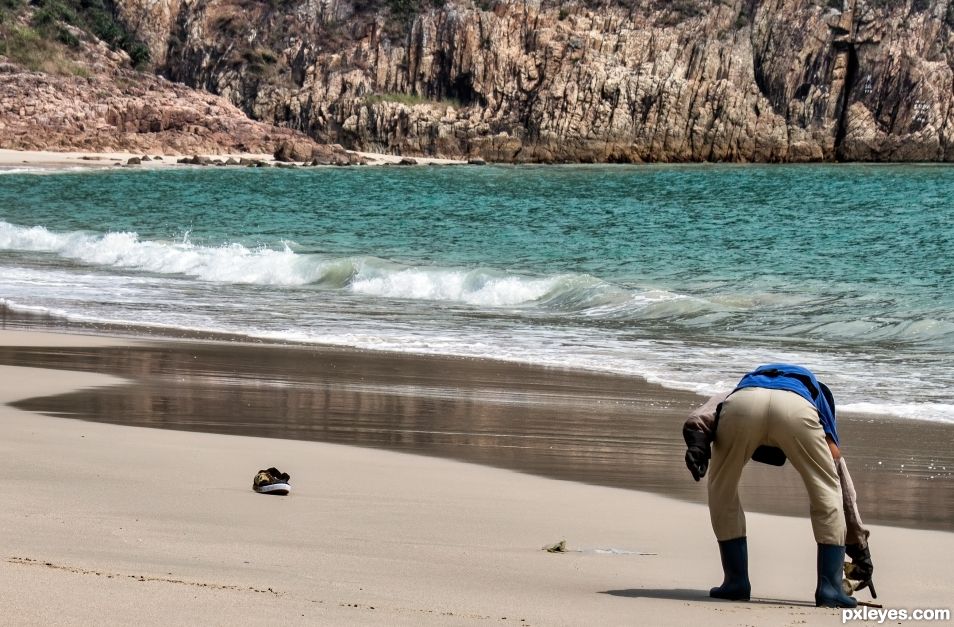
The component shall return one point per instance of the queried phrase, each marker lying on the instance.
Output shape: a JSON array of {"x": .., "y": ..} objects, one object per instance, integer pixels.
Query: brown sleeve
[
  {"x": 703, "y": 419},
  {"x": 857, "y": 532}
]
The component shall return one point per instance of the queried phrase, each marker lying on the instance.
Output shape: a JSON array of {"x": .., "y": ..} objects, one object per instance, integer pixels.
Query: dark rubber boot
[
  {"x": 735, "y": 564},
  {"x": 831, "y": 568}
]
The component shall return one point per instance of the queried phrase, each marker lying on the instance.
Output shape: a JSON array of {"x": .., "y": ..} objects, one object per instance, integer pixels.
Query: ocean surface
[{"x": 687, "y": 276}]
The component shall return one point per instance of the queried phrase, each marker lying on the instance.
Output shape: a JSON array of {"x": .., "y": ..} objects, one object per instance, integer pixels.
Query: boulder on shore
[{"x": 299, "y": 150}]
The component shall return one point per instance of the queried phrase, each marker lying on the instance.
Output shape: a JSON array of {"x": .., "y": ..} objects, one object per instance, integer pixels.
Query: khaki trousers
[{"x": 752, "y": 417}]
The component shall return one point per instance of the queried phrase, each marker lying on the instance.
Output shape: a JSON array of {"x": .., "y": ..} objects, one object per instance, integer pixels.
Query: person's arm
[
  {"x": 703, "y": 418},
  {"x": 699, "y": 432},
  {"x": 835, "y": 451},
  {"x": 857, "y": 532},
  {"x": 856, "y": 538}
]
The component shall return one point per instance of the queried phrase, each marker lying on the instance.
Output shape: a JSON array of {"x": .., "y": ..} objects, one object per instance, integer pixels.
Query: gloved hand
[
  {"x": 697, "y": 453},
  {"x": 861, "y": 568}
]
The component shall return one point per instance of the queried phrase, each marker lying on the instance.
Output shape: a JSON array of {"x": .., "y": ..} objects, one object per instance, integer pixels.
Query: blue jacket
[{"x": 802, "y": 382}]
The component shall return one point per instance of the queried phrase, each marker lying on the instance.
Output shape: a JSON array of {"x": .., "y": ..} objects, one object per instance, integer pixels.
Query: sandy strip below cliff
[
  {"x": 109, "y": 524},
  {"x": 49, "y": 160}
]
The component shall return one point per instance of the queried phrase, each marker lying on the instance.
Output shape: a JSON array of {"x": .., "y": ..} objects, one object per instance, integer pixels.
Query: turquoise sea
[{"x": 687, "y": 276}]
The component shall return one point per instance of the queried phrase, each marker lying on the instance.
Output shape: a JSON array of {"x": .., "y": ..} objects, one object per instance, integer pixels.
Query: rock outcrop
[
  {"x": 102, "y": 104},
  {"x": 509, "y": 80},
  {"x": 691, "y": 80},
  {"x": 43, "y": 112}
]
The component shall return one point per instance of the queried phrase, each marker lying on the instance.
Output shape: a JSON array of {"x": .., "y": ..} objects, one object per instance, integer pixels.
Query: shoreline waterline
[
  {"x": 593, "y": 428},
  {"x": 27, "y": 315},
  {"x": 685, "y": 276},
  {"x": 50, "y": 161}
]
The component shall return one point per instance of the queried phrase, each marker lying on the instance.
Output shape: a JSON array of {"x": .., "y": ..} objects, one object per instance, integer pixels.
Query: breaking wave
[
  {"x": 370, "y": 276},
  {"x": 233, "y": 263},
  {"x": 566, "y": 296}
]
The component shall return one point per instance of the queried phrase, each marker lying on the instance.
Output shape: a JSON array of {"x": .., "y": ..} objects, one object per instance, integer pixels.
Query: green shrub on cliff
[
  {"x": 36, "y": 52},
  {"x": 49, "y": 21},
  {"x": 24, "y": 46},
  {"x": 51, "y": 12},
  {"x": 9, "y": 7},
  {"x": 97, "y": 17}
]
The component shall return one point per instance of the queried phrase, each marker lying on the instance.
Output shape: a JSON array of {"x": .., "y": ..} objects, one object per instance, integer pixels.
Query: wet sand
[{"x": 600, "y": 429}]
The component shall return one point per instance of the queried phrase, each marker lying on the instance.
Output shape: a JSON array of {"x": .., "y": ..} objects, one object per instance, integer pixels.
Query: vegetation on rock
[{"x": 34, "y": 34}]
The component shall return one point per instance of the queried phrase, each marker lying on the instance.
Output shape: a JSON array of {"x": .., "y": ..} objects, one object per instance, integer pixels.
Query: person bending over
[{"x": 779, "y": 411}]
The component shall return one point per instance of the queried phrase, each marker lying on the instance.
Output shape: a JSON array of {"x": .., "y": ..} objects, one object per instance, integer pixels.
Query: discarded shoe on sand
[{"x": 271, "y": 481}]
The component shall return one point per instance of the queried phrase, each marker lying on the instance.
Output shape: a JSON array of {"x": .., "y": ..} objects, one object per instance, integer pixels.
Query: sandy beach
[
  {"x": 112, "y": 524},
  {"x": 50, "y": 160}
]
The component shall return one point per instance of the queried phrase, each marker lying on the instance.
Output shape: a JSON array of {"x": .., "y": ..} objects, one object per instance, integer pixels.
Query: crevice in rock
[
  {"x": 851, "y": 73},
  {"x": 461, "y": 88}
]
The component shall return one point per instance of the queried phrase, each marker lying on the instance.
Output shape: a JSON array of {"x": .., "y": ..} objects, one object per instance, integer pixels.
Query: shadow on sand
[{"x": 682, "y": 594}]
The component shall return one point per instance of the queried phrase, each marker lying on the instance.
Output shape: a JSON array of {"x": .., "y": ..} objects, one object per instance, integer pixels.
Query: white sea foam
[
  {"x": 369, "y": 276},
  {"x": 44, "y": 170},
  {"x": 939, "y": 412},
  {"x": 474, "y": 287},
  {"x": 233, "y": 263}
]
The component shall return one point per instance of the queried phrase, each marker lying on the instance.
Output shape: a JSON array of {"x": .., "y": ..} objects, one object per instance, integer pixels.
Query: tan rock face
[
  {"x": 693, "y": 80},
  {"x": 152, "y": 21},
  {"x": 718, "y": 80},
  {"x": 771, "y": 80},
  {"x": 120, "y": 109}
]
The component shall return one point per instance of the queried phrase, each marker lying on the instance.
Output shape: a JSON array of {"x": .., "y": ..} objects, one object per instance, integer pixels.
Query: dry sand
[
  {"x": 107, "y": 524},
  {"x": 48, "y": 160}
]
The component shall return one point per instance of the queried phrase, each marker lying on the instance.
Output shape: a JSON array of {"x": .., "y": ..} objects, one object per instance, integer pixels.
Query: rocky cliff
[
  {"x": 575, "y": 80},
  {"x": 62, "y": 89},
  {"x": 600, "y": 80},
  {"x": 143, "y": 114}
]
